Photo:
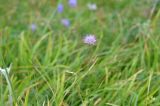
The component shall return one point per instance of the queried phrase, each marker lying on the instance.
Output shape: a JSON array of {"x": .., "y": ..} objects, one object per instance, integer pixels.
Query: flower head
[
  {"x": 60, "y": 8},
  {"x": 65, "y": 22},
  {"x": 72, "y": 3},
  {"x": 6, "y": 70},
  {"x": 92, "y": 6},
  {"x": 33, "y": 27},
  {"x": 90, "y": 39}
]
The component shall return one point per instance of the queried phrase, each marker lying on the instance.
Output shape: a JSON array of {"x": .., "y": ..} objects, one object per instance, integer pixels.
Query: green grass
[{"x": 52, "y": 66}]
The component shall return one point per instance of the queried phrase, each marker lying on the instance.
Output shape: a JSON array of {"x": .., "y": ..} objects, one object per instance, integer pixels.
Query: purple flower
[
  {"x": 90, "y": 39},
  {"x": 33, "y": 27},
  {"x": 60, "y": 8},
  {"x": 72, "y": 3},
  {"x": 65, "y": 22}
]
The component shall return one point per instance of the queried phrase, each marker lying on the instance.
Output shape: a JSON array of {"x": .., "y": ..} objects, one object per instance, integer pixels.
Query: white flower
[
  {"x": 3, "y": 71},
  {"x": 92, "y": 6}
]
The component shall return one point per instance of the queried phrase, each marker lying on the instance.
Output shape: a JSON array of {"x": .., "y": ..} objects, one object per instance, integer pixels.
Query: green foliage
[{"x": 52, "y": 66}]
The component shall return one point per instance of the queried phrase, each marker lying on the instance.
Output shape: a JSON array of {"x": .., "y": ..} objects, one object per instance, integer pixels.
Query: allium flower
[
  {"x": 72, "y": 3},
  {"x": 92, "y": 6},
  {"x": 90, "y": 39},
  {"x": 60, "y": 8},
  {"x": 33, "y": 27},
  {"x": 65, "y": 22}
]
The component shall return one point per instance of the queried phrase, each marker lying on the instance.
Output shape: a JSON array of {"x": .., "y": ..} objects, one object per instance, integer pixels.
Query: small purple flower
[
  {"x": 65, "y": 22},
  {"x": 90, "y": 39},
  {"x": 60, "y": 8},
  {"x": 33, "y": 27},
  {"x": 72, "y": 3}
]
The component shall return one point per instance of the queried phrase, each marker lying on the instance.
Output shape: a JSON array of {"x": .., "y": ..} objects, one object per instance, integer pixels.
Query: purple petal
[
  {"x": 60, "y": 8},
  {"x": 72, "y": 3},
  {"x": 33, "y": 27},
  {"x": 65, "y": 22},
  {"x": 90, "y": 39}
]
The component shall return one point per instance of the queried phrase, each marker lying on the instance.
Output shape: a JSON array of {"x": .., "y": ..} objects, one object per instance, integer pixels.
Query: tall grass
[{"x": 52, "y": 66}]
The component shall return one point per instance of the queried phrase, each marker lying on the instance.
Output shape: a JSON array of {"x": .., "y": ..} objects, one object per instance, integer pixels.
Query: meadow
[{"x": 79, "y": 53}]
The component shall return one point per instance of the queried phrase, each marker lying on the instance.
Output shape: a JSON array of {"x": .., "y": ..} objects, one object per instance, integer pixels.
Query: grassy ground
[{"x": 53, "y": 67}]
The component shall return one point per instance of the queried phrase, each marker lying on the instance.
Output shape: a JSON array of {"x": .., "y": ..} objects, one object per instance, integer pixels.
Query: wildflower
[
  {"x": 3, "y": 71},
  {"x": 65, "y": 22},
  {"x": 60, "y": 8},
  {"x": 92, "y": 6},
  {"x": 33, "y": 27},
  {"x": 72, "y": 3},
  {"x": 90, "y": 39}
]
